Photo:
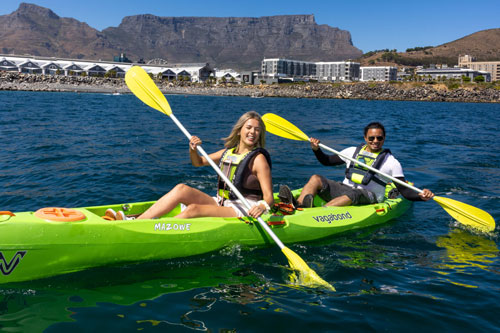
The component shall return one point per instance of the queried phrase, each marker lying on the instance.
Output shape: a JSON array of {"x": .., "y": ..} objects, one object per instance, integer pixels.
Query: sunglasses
[{"x": 372, "y": 138}]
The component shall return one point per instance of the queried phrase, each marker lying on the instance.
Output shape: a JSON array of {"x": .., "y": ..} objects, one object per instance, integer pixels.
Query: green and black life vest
[
  {"x": 361, "y": 175},
  {"x": 235, "y": 167}
]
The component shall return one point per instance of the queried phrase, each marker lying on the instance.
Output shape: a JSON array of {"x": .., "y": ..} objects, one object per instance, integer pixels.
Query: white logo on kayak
[
  {"x": 332, "y": 217},
  {"x": 172, "y": 226}
]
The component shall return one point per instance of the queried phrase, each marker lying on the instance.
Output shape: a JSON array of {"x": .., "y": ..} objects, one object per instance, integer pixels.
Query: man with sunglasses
[{"x": 360, "y": 186}]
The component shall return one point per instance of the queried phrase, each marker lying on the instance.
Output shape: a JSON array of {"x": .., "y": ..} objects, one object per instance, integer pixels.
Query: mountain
[
  {"x": 38, "y": 31},
  {"x": 484, "y": 45},
  {"x": 238, "y": 42}
]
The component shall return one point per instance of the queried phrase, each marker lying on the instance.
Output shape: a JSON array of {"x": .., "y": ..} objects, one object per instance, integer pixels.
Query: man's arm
[
  {"x": 413, "y": 195},
  {"x": 327, "y": 160}
]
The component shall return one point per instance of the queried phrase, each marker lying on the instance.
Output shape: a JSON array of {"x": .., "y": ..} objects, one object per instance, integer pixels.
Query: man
[{"x": 360, "y": 186}]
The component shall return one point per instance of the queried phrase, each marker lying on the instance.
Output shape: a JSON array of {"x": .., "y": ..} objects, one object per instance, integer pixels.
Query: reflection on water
[
  {"x": 122, "y": 151},
  {"x": 466, "y": 252},
  {"x": 115, "y": 291}
]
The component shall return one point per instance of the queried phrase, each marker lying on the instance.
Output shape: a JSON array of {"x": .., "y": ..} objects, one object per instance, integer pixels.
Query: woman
[{"x": 244, "y": 161}]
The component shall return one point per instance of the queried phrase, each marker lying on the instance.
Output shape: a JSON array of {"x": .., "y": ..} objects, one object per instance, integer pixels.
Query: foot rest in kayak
[
  {"x": 59, "y": 214},
  {"x": 381, "y": 210}
]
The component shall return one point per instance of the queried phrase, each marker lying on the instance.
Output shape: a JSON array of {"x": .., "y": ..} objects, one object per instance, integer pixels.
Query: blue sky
[{"x": 374, "y": 24}]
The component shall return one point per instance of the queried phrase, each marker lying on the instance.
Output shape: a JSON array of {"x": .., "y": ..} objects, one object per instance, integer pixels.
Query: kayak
[{"x": 55, "y": 240}]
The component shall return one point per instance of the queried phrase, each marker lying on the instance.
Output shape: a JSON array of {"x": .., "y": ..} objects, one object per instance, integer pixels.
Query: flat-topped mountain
[{"x": 238, "y": 42}]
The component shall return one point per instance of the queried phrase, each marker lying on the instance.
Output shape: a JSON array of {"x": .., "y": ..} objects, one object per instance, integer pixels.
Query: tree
[
  {"x": 465, "y": 78},
  {"x": 479, "y": 78},
  {"x": 110, "y": 73}
]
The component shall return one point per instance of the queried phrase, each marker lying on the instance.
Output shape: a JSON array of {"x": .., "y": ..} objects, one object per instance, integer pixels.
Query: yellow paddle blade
[
  {"x": 141, "y": 84},
  {"x": 282, "y": 127},
  {"x": 307, "y": 277},
  {"x": 467, "y": 214}
]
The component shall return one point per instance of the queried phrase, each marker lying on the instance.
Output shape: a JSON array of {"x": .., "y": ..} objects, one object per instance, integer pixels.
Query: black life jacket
[{"x": 239, "y": 175}]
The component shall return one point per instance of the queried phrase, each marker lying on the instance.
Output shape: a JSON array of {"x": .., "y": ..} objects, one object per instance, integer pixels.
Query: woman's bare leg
[
  {"x": 181, "y": 193},
  {"x": 197, "y": 210}
]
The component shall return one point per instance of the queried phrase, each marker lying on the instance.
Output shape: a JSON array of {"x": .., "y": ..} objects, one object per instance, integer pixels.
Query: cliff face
[
  {"x": 240, "y": 42},
  {"x": 232, "y": 41}
]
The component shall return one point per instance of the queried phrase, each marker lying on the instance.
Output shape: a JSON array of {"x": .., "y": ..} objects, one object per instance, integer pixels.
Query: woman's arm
[
  {"x": 196, "y": 159},
  {"x": 263, "y": 172}
]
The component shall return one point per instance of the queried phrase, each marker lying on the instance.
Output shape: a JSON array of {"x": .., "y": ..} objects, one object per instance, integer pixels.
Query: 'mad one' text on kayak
[{"x": 172, "y": 226}]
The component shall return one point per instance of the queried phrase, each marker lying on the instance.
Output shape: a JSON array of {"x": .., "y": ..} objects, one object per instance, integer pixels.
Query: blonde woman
[{"x": 243, "y": 160}]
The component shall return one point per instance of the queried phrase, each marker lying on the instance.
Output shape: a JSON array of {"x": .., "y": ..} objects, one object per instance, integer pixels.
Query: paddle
[
  {"x": 463, "y": 213},
  {"x": 140, "y": 83}
]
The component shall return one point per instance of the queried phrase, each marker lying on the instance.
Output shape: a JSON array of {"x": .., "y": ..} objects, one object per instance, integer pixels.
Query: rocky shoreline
[{"x": 471, "y": 93}]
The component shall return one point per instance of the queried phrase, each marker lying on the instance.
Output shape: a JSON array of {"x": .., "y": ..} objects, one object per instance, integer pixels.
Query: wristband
[{"x": 265, "y": 205}]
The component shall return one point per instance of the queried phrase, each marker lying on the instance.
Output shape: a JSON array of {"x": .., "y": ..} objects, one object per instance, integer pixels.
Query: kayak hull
[{"x": 32, "y": 247}]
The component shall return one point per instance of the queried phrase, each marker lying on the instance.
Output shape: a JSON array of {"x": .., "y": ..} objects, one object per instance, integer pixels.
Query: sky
[{"x": 374, "y": 24}]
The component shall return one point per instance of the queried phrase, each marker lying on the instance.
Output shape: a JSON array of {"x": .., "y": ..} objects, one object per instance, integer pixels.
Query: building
[
  {"x": 453, "y": 73},
  {"x": 337, "y": 71},
  {"x": 115, "y": 71},
  {"x": 8, "y": 66},
  {"x": 121, "y": 58},
  {"x": 250, "y": 77},
  {"x": 72, "y": 69},
  {"x": 30, "y": 67},
  {"x": 198, "y": 72},
  {"x": 78, "y": 67},
  {"x": 279, "y": 67},
  {"x": 379, "y": 73},
  {"x": 52, "y": 68},
  {"x": 492, "y": 67},
  {"x": 293, "y": 70},
  {"x": 227, "y": 75}
]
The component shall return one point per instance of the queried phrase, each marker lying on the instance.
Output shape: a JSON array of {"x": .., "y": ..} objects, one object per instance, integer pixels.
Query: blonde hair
[{"x": 233, "y": 139}]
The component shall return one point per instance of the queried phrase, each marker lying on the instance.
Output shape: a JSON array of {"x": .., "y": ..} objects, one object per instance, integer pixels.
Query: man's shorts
[{"x": 331, "y": 189}]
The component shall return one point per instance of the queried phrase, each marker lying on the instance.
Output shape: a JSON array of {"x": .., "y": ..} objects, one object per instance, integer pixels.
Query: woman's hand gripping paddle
[
  {"x": 141, "y": 84},
  {"x": 463, "y": 213}
]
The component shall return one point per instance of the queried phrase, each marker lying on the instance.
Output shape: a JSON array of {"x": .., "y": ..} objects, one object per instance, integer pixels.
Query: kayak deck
[{"x": 32, "y": 247}]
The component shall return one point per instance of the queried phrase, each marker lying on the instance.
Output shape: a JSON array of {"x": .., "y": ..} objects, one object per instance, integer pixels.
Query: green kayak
[{"x": 55, "y": 241}]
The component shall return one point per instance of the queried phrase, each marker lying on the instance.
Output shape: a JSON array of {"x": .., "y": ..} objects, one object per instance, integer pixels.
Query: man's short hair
[{"x": 375, "y": 124}]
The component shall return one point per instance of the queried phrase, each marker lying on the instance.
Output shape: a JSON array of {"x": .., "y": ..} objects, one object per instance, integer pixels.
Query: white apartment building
[
  {"x": 378, "y": 73},
  {"x": 337, "y": 71},
  {"x": 277, "y": 67},
  {"x": 322, "y": 71}
]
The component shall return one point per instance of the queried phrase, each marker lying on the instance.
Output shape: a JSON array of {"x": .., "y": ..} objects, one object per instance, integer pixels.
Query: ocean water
[{"x": 418, "y": 272}]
